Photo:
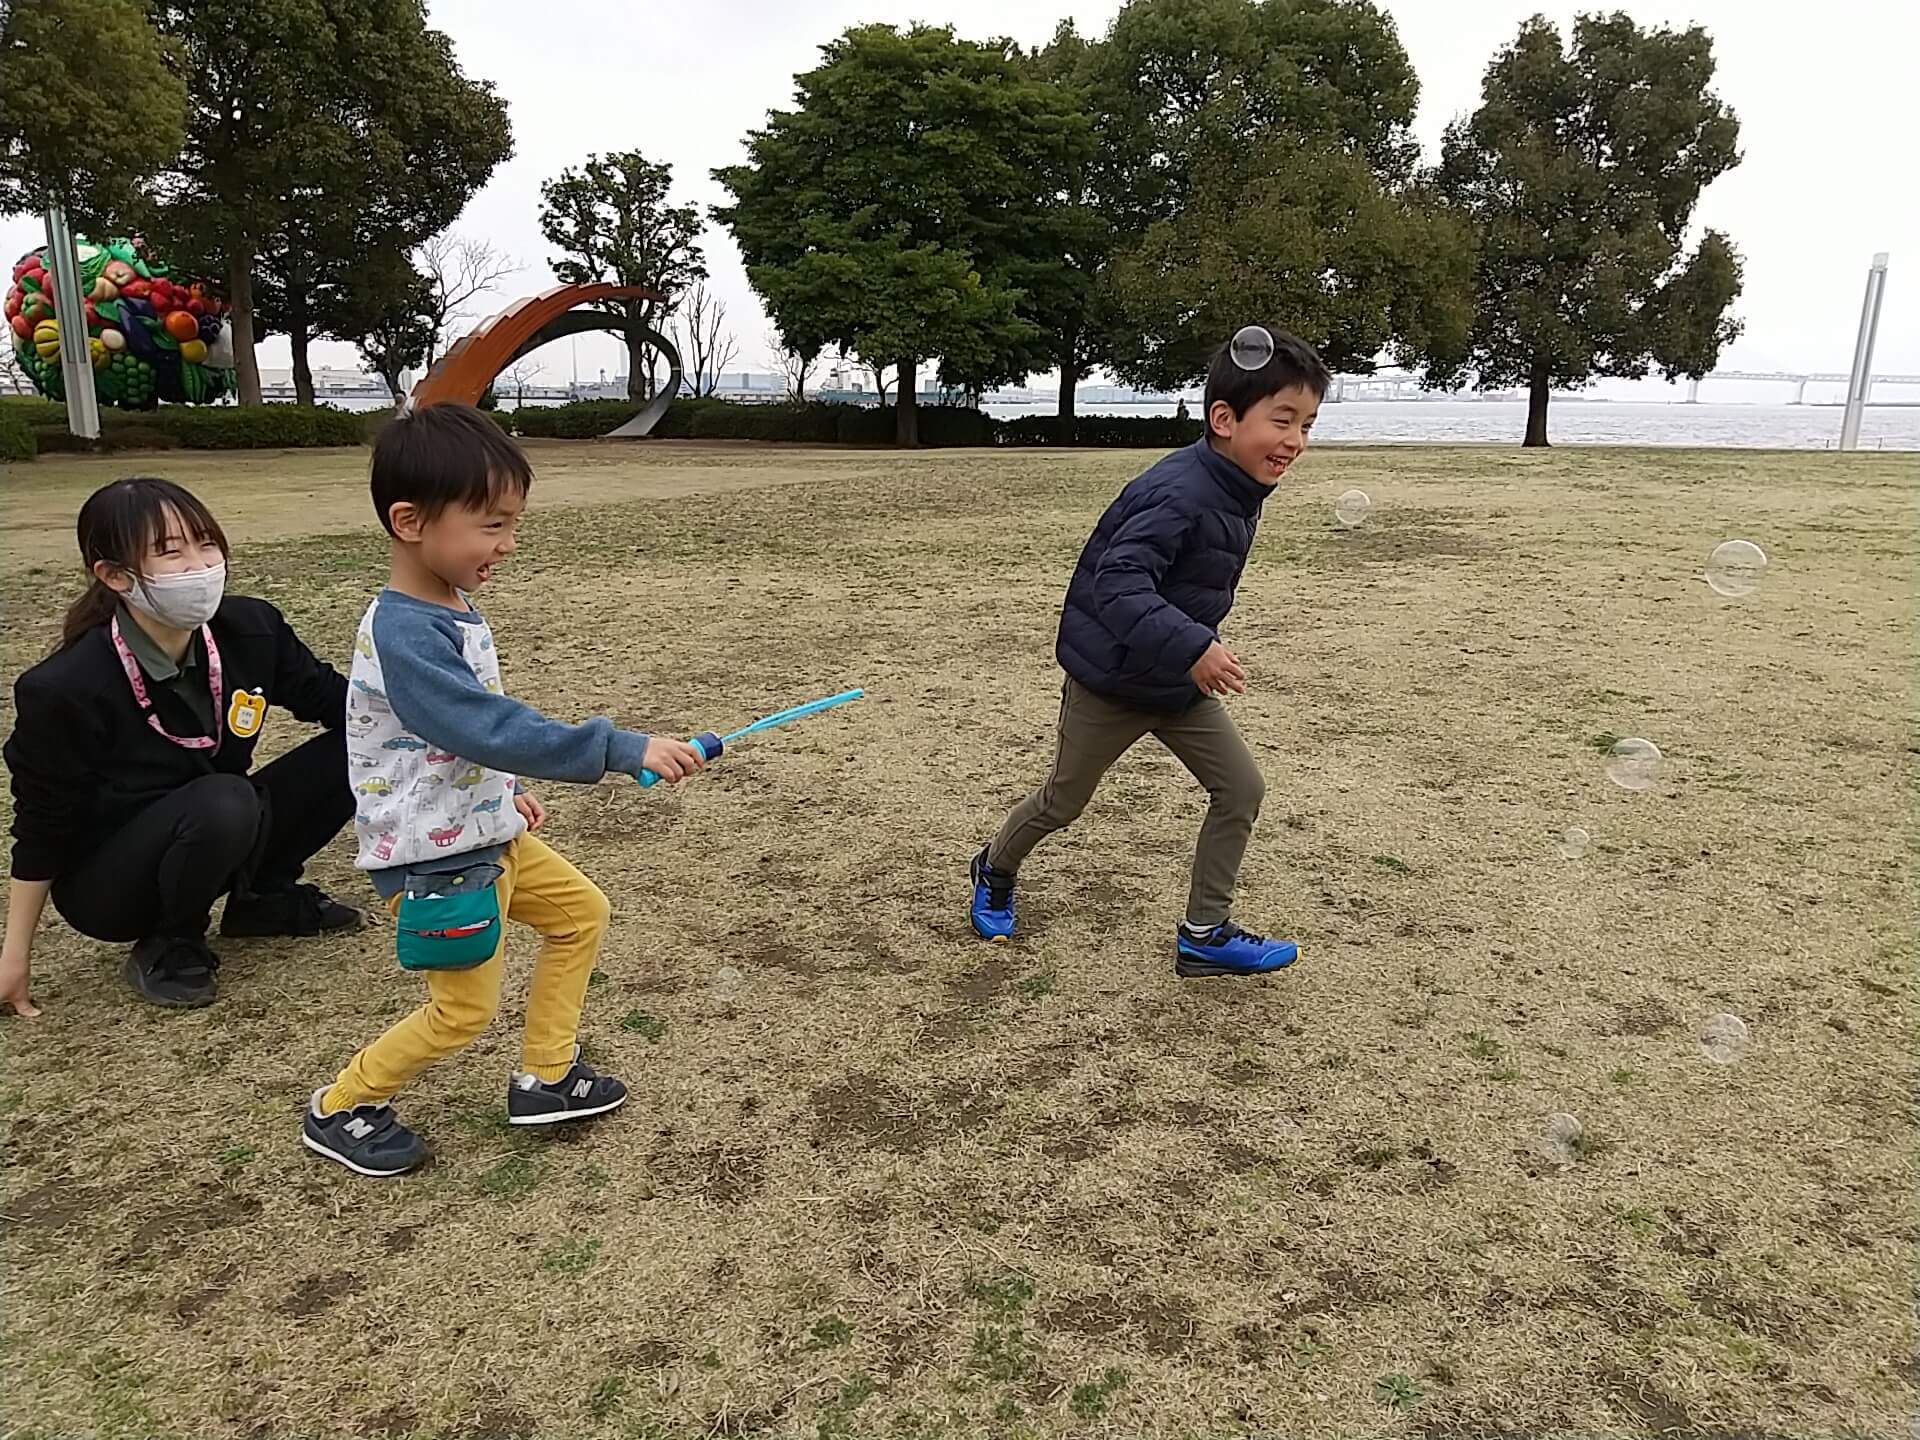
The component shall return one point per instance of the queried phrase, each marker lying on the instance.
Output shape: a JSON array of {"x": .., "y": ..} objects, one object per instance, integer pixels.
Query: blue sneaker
[
  {"x": 1228, "y": 950},
  {"x": 992, "y": 911}
]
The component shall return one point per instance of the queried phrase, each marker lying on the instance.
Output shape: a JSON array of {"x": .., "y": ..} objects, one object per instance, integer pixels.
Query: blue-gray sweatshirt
[{"x": 435, "y": 746}]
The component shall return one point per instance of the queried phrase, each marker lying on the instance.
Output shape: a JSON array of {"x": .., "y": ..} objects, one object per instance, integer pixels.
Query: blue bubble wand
[{"x": 712, "y": 745}]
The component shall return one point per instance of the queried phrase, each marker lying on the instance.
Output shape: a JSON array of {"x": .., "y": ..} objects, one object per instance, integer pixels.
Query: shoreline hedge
[
  {"x": 188, "y": 427},
  {"x": 817, "y": 423},
  {"x": 289, "y": 427},
  {"x": 16, "y": 437}
]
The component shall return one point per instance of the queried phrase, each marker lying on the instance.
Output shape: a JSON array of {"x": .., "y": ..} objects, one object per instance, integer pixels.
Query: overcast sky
[{"x": 1824, "y": 95}]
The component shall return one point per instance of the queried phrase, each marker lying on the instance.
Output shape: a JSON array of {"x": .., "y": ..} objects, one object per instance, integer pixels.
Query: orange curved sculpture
[{"x": 462, "y": 375}]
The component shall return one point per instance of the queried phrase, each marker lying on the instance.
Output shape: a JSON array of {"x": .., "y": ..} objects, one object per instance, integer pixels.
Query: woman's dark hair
[
  {"x": 445, "y": 455},
  {"x": 119, "y": 524}
]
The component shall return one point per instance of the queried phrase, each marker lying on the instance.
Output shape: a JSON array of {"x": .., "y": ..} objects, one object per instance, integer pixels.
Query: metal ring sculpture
[{"x": 462, "y": 375}]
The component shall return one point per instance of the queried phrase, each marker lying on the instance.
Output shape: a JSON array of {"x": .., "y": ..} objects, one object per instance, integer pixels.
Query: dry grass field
[{"x": 879, "y": 1181}]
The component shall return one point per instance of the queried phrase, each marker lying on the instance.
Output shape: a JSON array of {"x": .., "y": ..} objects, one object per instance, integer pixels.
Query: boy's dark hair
[
  {"x": 441, "y": 455},
  {"x": 1293, "y": 363}
]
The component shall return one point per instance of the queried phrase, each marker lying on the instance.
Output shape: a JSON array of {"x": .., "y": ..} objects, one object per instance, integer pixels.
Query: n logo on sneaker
[
  {"x": 582, "y": 1089},
  {"x": 358, "y": 1129}
]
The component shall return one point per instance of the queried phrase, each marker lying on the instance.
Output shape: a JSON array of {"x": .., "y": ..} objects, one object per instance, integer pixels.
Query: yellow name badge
[{"x": 245, "y": 714}]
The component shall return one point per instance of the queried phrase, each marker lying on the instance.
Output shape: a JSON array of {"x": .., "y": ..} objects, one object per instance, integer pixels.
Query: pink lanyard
[{"x": 138, "y": 681}]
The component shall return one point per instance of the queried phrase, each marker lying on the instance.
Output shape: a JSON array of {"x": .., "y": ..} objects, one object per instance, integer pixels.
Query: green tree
[
  {"x": 387, "y": 313},
  {"x": 1258, "y": 164},
  {"x": 1579, "y": 174},
  {"x": 300, "y": 284},
  {"x": 903, "y": 208},
  {"x": 1060, "y": 273},
  {"x": 1323, "y": 249},
  {"x": 321, "y": 130},
  {"x": 92, "y": 107},
  {"x": 613, "y": 222}
]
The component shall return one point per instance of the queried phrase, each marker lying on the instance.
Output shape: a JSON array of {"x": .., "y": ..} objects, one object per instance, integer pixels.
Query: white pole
[
  {"x": 1861, "y": 381},
  {"x": 70, "y": 312}
]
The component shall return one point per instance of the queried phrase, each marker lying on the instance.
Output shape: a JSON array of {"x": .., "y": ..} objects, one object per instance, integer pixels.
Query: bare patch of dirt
[{"x": 320, "y": 1292}]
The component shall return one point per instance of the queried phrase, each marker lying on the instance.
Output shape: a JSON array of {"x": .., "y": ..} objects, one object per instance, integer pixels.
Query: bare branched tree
[
  {"x": 515, "y": 379},
  {"x": 13, "y": 376},
  {"x": 706, "y": 347},
  {"x": 458, "y": 272},
  {"x": 880, "y": 381},
  {"x": 798, "y": 367}
]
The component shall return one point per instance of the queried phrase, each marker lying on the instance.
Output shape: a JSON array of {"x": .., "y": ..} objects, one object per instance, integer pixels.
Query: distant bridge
[
  {"x": 1390, "y": 382},
  {"x": 1798, "y": 381}
]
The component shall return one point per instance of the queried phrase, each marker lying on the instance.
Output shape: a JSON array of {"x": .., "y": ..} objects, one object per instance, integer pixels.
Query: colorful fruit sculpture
[{"x": 150, "y": 337}]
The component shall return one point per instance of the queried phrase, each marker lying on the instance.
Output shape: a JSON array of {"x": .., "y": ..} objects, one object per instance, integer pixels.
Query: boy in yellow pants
[{"x": 445, "y": 831}]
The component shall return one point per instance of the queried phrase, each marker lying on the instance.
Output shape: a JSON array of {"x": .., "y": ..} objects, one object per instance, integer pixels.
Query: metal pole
[
  {"x": 70, "y": 311},
  {"x": 1861, "y": 381}
]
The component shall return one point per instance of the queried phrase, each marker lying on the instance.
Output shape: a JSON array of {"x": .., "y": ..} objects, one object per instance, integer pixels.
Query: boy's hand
[
  {"x": 673, "y": 760},
  {"x": 531, "y": 810},
  {"x": 1219, "y": 672}
]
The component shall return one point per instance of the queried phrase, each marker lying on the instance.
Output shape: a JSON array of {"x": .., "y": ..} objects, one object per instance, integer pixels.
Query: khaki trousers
[{"x": 1094, "y": 733}]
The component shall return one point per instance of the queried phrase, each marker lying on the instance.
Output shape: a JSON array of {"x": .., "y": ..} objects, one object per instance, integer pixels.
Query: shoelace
[
  {"x": 198, "y": 960},
  {"x": 999, "y": 887},
  {"x": 310, "y": 902},
  {"x": 1228, "y": 931}
]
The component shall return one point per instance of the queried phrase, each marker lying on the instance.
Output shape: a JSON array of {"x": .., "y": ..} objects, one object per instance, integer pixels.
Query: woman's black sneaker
[
  {"x": 177, "y": 971},
  {"x": 581, "y": 1092},
  {"x": 368, "y": 1139},
  {"x": 296, "y": 910}
]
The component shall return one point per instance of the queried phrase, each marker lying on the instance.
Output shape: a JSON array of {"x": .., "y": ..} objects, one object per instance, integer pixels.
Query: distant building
[
  {"x": 749, "y": 386},
  {"x": 328, "y": 384}
]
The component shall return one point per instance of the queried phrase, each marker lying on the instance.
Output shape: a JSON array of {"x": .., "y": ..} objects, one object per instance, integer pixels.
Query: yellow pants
[{"x": 537, "y": 888}]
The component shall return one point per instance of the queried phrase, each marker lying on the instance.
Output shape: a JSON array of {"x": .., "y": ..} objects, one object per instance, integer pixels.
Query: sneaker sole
[
  {"x": 985, "y": 935},
  {"x": 339, "y": 1159},
  {"x": 1188, "y": 968},
  {"x": 557, "y": 1116},
  {"x": 166, "y": 1002}
]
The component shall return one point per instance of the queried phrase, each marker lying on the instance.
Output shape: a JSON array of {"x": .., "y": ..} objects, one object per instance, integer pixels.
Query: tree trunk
[
  {"x": 1538, "y": 385},
  {"x": 297, "y": 337},
  {"x": 639, "y": 372},
  {"x": 246, "y": 365},
  {"x": 636, "y": 366},
  {"x": 906, "y": 418},
  {"x": 1069, "y": 426}
]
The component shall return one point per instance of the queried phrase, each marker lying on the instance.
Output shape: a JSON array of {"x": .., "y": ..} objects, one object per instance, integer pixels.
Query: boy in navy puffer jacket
[{"x": 1139, "y": 640}]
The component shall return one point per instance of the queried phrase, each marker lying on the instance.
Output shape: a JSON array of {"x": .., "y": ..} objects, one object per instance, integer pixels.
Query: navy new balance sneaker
[
  {"x": 992, "y": 910},
  {"x": 581, "y": 1092},
  {"x": 1228, "y": 950},
  {"x": 368, "y": 1139}
]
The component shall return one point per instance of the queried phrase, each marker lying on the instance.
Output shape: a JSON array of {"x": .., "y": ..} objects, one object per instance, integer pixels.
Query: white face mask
[{"x": 185, "y": 601}]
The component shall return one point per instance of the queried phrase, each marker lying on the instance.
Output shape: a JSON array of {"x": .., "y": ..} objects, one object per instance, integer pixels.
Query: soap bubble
[
  {"x": 723, "y": 997},
  {"x": 1251, "y": 347},
  {"x": 1735, "y": 567},
  {"x": 1560, "y": 1139},
  {"x": 1351, "y": 508},
  {"x": 1574, "y": 842},
  {"x": 1634, "y": 764},
  {"x": 1723, "y": 1038}
]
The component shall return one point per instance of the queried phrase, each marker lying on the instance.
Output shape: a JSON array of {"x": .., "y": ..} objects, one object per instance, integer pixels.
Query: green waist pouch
[{"x": 448, "y": 921}]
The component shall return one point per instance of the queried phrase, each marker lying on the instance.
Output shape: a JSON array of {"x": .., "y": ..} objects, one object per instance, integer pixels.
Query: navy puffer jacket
[{"x": 1157, "y": 579}]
